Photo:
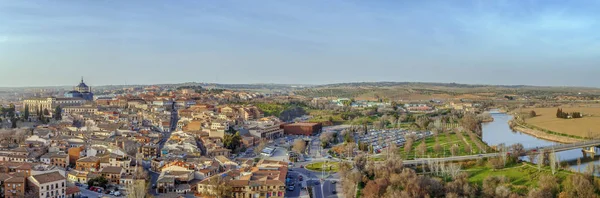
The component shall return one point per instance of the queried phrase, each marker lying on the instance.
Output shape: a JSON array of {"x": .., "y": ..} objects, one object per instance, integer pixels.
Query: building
[
  {"x": 305, "y": 128},
  {"x": 266, "y": 179},
  {"x": 50, "y": 185},
  {"x": 266, "y": 129},
  {"x": 74, "y": 154},
  {"x": 14, "y": 187},
  {"x": 80, "y": 109},
  {"x": 112, "y": 173},
  {"x": 149, "y": 150},
  {"x": 81, "y": 91},
  {"x": 89, "y": 163},
  {"x": 51, "y": 103}
]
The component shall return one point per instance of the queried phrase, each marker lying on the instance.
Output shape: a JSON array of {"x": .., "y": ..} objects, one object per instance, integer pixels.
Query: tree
[
  {"x": 491, "y": 183},
  {"x": 258, "y": 149},
  {"x": 532, "y": 113},
  {"x": 422, "y": 122},
  {"x": 454, "y": 150},
  {"x": 437, "y": 148},
  {"x": 496, "y": 163},
  {"x": 461, "y": 186},
  {"x": 13, "y": 122},
  {"x": 375, "y": 188},
  {"x": 58, "y": 113},
  {"x": 137, "y": 189},
  {"x": 422, "y": 148},
  {"x": 577, "y": 185},
  {"x": 299, "y": 146},
  {"x": 326, "y": 138},
  {"x": 220, "y": 188},
  {"x": 360, "y": 162},
  {"x": 471, "y": 123},
  {"x": 98, "y": 181},
  {"x": 232, "y": 141},
  {"x": 26, "y": 113}
]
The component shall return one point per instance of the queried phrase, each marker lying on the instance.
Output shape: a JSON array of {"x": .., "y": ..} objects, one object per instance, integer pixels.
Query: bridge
[{"x": 590, "y": 146}]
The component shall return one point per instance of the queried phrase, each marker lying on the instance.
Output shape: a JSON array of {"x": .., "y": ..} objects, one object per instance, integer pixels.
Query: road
[
  {"x": 90, "y": 194},
  {"x": 161, "y": 144}
]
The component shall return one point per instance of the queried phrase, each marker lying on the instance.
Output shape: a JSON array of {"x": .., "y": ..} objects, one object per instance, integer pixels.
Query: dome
[
  {"x": 82, "y": 85},
  {"x": 73, "y": 92}
]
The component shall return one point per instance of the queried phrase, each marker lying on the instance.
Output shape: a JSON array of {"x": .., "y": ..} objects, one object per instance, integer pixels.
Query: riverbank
[{"x": 546, "y": 136}]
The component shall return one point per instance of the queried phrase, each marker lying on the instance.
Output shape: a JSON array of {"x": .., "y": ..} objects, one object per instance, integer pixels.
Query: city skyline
[{"x": 544, "y": 43}]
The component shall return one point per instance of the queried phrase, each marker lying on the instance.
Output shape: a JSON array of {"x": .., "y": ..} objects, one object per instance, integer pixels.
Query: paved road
[
  {"x": 90, "y": 194},
  {"x": 154, "y": 175}
]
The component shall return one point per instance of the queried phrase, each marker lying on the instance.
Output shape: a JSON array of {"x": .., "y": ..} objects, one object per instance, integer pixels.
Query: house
[
  {"x": 50, "y": 185},
  {"x": 73, "y": 192},
  {"x": 112, "y": 173},
  {"x": 90, "y": 163},
  {"x": 14, "y": 187}
]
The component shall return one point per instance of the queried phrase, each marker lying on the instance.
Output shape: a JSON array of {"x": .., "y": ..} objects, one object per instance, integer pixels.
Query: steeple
[{"x": 81, "y": 79}]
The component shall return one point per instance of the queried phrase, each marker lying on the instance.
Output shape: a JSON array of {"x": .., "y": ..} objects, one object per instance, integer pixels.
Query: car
[
  {"x": 117, "y": 193},
  {"x": 317, "y": 183},
  {"x": 334, "y": 182},
  {"x": 300, "y": 178},
  {"x": 334, "y": 192},
  {"x": 301, "y": 166},
  {"x": 291, "y": 188}
]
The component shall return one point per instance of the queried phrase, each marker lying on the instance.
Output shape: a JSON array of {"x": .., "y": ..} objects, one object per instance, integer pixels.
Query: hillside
[{"x": 430, "y": 91}]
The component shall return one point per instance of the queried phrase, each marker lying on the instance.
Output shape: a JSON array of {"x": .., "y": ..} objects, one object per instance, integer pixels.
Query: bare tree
[
  {"x": 454, "y": 170},
  {"x": 437, "y": 148},
  {"x": 299, "y": 146},
  {"x": 258, "y": 149},
  {"x": 454, "y": 150},
  {"x": 422, "y": 148},
  {"x": 220, "y": 188},
  {"x": 137, "y": 189}
]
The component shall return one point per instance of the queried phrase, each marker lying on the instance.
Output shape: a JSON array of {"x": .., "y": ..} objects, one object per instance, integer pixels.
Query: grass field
[
  {"x": 588, "y": 126},
  {"x": 329, "y": 166},
  {"x": 522, "y": 176},
  {"x": 445, "y": 142}
]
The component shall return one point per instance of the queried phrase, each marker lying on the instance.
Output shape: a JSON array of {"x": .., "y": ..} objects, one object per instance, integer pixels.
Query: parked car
[{"x": 291, "y": 188}]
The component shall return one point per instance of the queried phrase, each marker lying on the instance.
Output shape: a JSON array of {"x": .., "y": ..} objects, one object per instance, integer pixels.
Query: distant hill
[{"x": 431, "y": 91}]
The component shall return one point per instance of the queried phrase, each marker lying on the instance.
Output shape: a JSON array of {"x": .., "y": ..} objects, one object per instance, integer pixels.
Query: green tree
[
  {"x": 232, "y": 141},
  {"x": 26, "y": 113},
  {"x": 58, "y": 113},
  {"x": 13, "y": 122},
  {"x": 98, "y": 181}
]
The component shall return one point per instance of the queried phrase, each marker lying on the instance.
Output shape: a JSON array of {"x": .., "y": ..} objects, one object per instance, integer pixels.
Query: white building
[{"x": 50, "y": 185}]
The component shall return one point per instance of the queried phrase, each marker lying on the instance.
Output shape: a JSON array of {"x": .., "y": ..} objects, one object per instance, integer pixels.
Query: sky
[{"x": 116, "y": 42}]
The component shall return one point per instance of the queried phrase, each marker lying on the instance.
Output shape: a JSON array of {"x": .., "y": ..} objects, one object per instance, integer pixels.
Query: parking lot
[{"x": 380, "y": 139}]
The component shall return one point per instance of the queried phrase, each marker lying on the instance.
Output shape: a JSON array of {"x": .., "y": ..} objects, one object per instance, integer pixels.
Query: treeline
[{"x": 566, "y": 115}]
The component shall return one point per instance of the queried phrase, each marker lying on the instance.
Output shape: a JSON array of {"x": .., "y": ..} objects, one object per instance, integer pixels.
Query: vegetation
[
  {"x": 98, "y": 181},
  {"x": 324, "y": 166},
  {"x": 232, "y": 141},
  {"x": 441, "y": 146}
]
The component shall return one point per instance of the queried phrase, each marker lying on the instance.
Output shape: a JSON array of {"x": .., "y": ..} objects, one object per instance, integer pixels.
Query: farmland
[{"x": 586, "y": 127}]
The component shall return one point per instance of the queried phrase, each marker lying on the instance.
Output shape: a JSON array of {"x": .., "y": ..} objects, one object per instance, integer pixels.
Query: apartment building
[{"x": 49, "y": 185}]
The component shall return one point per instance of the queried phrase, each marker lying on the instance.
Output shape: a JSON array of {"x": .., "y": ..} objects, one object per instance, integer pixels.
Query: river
[{"x": 498, "y": 132}]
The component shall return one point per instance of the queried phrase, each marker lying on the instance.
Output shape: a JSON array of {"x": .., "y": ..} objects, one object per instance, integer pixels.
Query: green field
[
  {"x": 318, "y": 166},
  {"x": 521, "y": 176},
  {"x": 446, "y": 142}
]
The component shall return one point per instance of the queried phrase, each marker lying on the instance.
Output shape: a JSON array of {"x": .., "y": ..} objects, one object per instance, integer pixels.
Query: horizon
[
  {"x": 308, "y": 85},
  {"x": 533, "y": 43}
]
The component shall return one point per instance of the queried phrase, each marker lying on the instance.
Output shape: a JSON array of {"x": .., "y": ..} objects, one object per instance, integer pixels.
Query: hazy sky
[{"x": 303, "y": 41}]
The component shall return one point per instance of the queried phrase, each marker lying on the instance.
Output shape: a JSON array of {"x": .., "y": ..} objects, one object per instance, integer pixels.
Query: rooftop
[{"x": 48, "y": 177}]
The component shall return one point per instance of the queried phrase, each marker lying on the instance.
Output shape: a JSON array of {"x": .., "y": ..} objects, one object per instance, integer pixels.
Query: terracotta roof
[
  {"x": 72, "y": 190},
  {"x": 48, "y": 177},
  {"x": 112, "y": 170},
  {"x": 89, "y": 159},
  {"x": 15, "y": 180}
]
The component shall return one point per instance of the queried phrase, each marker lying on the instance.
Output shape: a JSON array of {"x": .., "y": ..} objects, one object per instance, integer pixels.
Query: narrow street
[{"x": 166, "y": 135}]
